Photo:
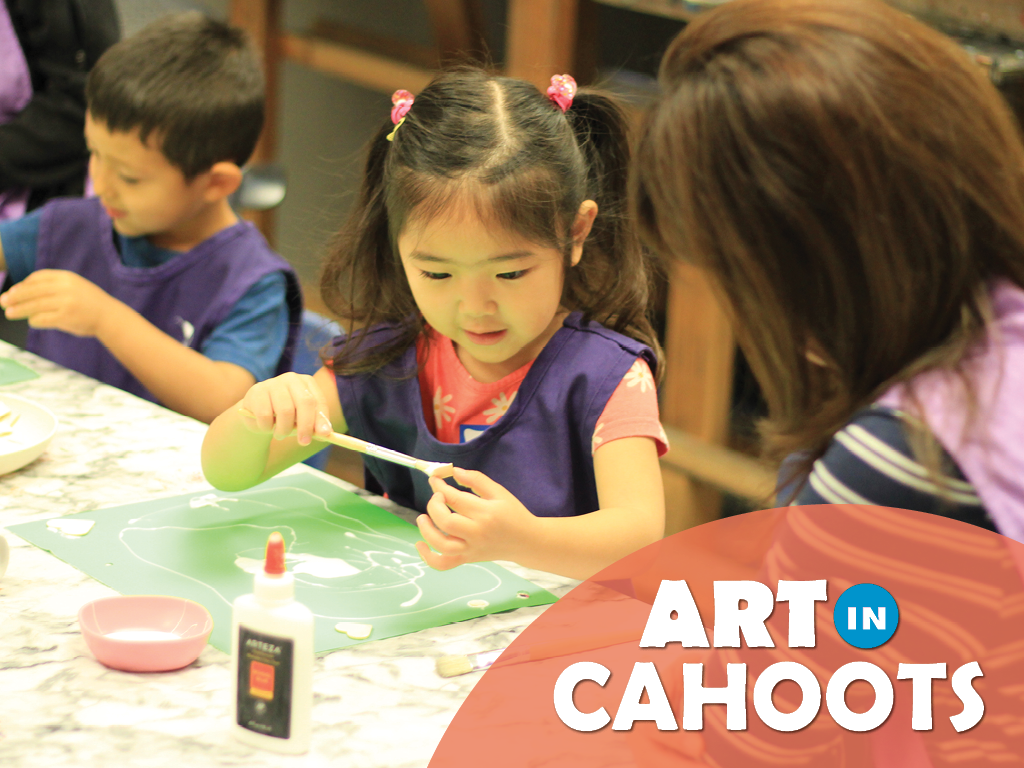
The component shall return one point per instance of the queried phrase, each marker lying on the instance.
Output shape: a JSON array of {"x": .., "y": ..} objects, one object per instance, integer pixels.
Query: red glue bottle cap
[{"x": 274, "y": 563}]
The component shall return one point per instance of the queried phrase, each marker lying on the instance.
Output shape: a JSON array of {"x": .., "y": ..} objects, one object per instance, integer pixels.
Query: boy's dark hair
[
  {"x": 527, "y": 167},
  {"x": 852, "y": 183},
  {"x": 193, "y": 83}
]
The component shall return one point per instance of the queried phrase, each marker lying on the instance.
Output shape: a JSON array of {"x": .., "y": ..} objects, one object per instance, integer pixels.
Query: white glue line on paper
[{"x": 76, "y": 527}]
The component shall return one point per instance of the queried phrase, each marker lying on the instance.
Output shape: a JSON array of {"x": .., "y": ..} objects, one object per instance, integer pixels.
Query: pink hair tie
[
  {"x": 562, "y": 90},
  {"x": 402, "y": 101}
]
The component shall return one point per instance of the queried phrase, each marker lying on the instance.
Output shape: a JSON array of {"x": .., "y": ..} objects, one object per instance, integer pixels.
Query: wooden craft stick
[{"x": 429, "y": 468}]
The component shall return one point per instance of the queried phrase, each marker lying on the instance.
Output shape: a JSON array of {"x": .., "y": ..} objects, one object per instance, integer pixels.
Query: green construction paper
[
  {"x": 11, "y": 372},
  {"x": 352, "y": 561}
]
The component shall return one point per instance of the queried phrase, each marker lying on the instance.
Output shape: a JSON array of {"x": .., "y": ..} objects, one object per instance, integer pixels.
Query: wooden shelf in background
[
  {"x": 541, "y": 39},
  {"x": 670, "y": 9},
  {"x": 355, "y": 65},
  {"x": 415, "y": 54}
]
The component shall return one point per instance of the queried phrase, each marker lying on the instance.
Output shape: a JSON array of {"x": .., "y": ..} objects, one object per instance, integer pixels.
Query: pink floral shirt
[{"x": 458, "y": 408}]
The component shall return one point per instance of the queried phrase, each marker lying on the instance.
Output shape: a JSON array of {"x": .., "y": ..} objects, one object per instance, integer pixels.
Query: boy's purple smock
[
  {"x": 540, "y": 450},
  {"x": 186, "y": 297},
  {"x": 988, "y": 448},
  {"x": 15, "y": 94}
]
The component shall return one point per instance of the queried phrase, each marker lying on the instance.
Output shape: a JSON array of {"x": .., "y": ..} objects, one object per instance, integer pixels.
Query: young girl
[
  {"x": 501, "y": 295},
  {"x": 853, "y": 185}
]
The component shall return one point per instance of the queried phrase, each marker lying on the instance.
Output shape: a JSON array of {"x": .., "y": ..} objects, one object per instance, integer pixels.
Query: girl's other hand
[
  {"x": 487, "y": 524},
  {"x": 289, "y": 404}
]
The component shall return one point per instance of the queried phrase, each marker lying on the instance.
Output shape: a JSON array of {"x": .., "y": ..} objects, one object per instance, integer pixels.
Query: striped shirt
[{"x": 870, "y": 461}]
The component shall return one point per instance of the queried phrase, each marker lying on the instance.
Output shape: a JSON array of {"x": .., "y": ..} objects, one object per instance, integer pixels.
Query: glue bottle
[{"x": 272, "y": 660}]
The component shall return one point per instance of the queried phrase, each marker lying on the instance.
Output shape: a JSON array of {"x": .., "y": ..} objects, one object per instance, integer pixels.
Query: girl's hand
[
  {"x": 289, "y": 404},
  {"x": 488, "y": 524}
]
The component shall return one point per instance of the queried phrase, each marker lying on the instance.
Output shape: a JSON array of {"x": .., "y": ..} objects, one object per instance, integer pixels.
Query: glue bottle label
[{"x": 264, "y": 683}]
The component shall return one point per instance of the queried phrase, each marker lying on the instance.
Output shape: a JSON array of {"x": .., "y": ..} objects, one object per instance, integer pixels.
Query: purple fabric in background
[
  {"x": 15, "y": 94},
  {"x": 990, "y": 448}
]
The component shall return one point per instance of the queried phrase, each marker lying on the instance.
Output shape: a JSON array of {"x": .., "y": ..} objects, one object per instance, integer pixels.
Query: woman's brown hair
[
  {"x": 850, "y": 181},
  {"x": 527, "y": 166}
]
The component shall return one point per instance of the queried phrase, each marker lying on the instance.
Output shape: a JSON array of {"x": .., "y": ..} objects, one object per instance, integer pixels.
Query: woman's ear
[
  {"x": 222, "y": 180},
  {"x": 581, "y": 228}
]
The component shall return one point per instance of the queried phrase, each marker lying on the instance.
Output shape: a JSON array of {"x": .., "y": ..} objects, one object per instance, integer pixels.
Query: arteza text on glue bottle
[{"x": 272, "y": 660}]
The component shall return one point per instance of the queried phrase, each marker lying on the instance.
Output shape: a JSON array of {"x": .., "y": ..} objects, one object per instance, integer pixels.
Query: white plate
[{"x": 30, "y": 435}]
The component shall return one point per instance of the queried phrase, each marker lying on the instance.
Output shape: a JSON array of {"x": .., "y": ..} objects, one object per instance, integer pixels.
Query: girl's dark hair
[
  {"x": 851, "y": 182},
  {"x": 527, "y": 166},
  {"x": 192, "y": 82}
]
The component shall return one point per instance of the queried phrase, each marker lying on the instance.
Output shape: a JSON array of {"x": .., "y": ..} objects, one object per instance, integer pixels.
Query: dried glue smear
[
  {"x": 354, "y": 631},
  {"x": 76, "y": 527}
]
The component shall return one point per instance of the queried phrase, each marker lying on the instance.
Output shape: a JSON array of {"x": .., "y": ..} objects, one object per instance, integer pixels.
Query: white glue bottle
[{"x": 272, "y": 660}]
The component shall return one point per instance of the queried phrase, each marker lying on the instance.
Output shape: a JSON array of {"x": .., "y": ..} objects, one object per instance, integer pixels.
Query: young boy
[{"x": 175, "y": 299}]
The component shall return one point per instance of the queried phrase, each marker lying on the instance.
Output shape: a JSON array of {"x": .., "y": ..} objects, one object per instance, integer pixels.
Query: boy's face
[{"x": 143, "y": 193}]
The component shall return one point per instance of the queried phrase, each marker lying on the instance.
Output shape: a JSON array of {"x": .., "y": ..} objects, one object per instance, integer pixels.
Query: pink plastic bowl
[{"x": 145, "y": 633}]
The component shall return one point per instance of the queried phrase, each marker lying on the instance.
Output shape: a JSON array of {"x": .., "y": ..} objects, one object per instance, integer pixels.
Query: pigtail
[
  {"x": 612, "y": 283},
  {"x": 362, "y": 281}
]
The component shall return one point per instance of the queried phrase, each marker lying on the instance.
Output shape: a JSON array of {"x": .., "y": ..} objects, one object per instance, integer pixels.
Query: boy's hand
[
  {"x": 291, "y": 403},
  {"x": 488, "y": 524},
  {"x": 59, "y": 299}
]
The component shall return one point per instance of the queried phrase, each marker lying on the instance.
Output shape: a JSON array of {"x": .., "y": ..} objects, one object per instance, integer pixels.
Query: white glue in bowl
[
  {"x": 26, "y": 429},
  {"x": 145, "y": 633}
]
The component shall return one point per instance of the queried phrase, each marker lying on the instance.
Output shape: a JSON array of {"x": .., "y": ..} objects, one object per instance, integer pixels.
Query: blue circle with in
[{"x": 866, "y": 615}]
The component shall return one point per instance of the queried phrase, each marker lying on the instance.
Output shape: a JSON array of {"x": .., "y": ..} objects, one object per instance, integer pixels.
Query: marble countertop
[{"x": 376, "y": 704}]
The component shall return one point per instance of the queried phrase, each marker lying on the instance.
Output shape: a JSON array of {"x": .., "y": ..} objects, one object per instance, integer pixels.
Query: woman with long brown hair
[{"x": 853, "y": 187}]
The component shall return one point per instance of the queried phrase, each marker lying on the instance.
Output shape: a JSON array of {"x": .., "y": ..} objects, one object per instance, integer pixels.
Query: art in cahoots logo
[{"x": 866, "y": 616}]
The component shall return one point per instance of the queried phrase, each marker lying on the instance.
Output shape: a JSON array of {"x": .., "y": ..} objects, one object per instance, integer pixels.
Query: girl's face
[{"x": 492, "y": 292}]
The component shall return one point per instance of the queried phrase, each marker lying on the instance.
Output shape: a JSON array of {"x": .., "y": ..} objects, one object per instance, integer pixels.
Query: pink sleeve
[{"x": 632, "y": 410}]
